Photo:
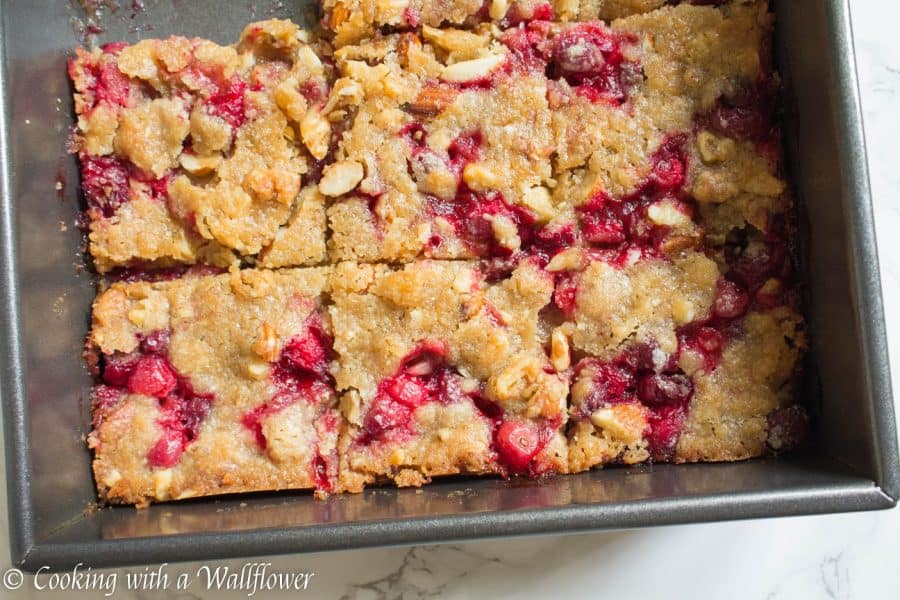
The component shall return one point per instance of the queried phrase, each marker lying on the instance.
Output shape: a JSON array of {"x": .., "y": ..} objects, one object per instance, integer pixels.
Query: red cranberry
[
  {"x": 611, "y": 384},
  {"x": 658, "y": 389},
  {"x": 408, "y": 390},
  {"x": 167, "y": 451},
  {"x": 117, "y": 369},
  {"x": 411, "y": 16},
  {"x": 465, "y": 149},
  {"x": 669, "y": 164},
  {"x": 709, "y": 339},
  {"x": 756, "y": 262},
  {"x": 228, "y": 102},
  {"x": 307, "y": 352},
  {"x": 529, "y": 46},
  {"x": 564, "y": 295},
  {"x": 747, "y": 115},
  {"x": 385, "y": 416},
  {"x": 666, "y": 424},
  {"x": 105, "y": 182},
  {"x": 152, "y": 376},
  {"x": 731, "y": 300},
  {"x": 788, "y": 427},
  {"x": 113, "y": 86},
  {"x": 590, "y": 58},
  {"x": 517, "y": 444},
  {"x": 155, "y": 342}
]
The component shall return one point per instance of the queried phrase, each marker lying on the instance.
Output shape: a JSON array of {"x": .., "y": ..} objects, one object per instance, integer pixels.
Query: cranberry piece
[
  {"x": 113, "y": 86},
  {"x": 228, "y": 102},
  {"x": 669, "y": 164},
  {"x": 306, "y": 352},
  {"x": 747, "y": 115},
  {"x": 610, "y": 222},
  {"x": 788, "y": 427},
  {"x": 517, "y": 444},
  {"x": 600, "y": 224},
  {"x": 658, "y": 389},
  {"x": 408, "y": 390},
  {"x": 756, "y": 262},
  {"x": 549, "y": 241},
  {"x": 465, "y": 149},
  {"x": 590, "y": 58},
  {"x": 386, "y": 415},
  {"x": 411, "y": 17},
  {"x": 529, "y": 46},
  {"x": 565, "y": 294},
  {"x": 731, "y": 300},
  {"x": 323, "y": 473},
  {"x": 152, "y": 376},
  {"x": 665, "y": 423},
  {"x": 612, "y": 384},
  {"x": 117, "y": 370},
  {"x": 105, "y": 182},
  {"x": 167, "y": 451},
  {"x": 156, "y": 342},
  {"x": 709, "y": 339}
]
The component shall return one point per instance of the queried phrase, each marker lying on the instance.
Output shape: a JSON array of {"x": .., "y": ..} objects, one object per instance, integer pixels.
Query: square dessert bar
[
  {"x": 195, "y": 153},
  {"x": 676, "y": 362},
  {"x": 442, "y": 372},
  {"x": 353, "y": 20},
  {"x": 445, "y": 153},
  {"x": 213, "y": 385}
]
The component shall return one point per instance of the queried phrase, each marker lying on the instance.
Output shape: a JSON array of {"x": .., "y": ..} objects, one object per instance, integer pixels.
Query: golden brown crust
[
  {"x": 213, "y": 326},
  {"x": 528, "y": 273},
  {"x": 193, "y": 152}
]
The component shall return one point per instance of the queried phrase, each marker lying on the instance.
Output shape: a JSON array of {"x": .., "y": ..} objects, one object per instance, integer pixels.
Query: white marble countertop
[{"x": 836, "y": 556}]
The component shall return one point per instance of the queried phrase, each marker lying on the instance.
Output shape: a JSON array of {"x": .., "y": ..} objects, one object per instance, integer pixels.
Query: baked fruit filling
[{"x": 550, "y": 236}]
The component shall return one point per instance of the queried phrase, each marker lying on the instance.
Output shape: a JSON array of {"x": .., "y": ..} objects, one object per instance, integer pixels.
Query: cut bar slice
[
  {"x": 442, "y": 373},
  {"x": 677, "y": 362},
  {"x": 351, "y": 21},
  {"x": 213, "y": 385},
  {"x": 195, "y": 153},
  {"x": 446, "y": 154}
]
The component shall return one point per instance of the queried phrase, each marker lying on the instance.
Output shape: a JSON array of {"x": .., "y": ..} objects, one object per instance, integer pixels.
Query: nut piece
[
  {"x": 267, "y": 345},
  {"x": 570, "y": 259},
  {"x": 432, "y": 100},
  {"x": 480, "y": 178},
  {"x": 470, "y": 70},
  {"x": 538, "y": 200},
  {"x": 667, "y": 214},
  {"x": 505, "y": 232},
  {"x": 559, "y": 350},
  {"x": 341, "y": 177},
  {"x": 315, "y": 130},
  {"x": 623, "y": 422},
  {"x": 497, "y": 9},
  {"x": 714, "y": 149},
  {"x": 199, "y": 165}
]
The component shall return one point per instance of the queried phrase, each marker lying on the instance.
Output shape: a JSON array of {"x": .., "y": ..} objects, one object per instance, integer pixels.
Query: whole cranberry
[{"x": 658, "y": 389}]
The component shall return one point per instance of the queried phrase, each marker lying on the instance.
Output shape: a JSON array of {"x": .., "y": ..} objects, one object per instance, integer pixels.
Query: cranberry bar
[
  {"x": 446, "y": 150},
  {"x": 193, "y": 152},
  {"x": 676, "y": 362},
  {"x": 442, "y": 372},
  {"x": 213, "y": 385},
  {"x": 351, "y": 21}
]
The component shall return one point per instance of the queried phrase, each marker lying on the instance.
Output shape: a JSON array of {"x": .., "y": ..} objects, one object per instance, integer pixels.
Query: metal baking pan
[{"x": 852, "y": 463}]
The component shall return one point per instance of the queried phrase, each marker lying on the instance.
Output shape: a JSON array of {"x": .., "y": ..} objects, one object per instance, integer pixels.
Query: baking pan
[{"x": 852, "y": 463}]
